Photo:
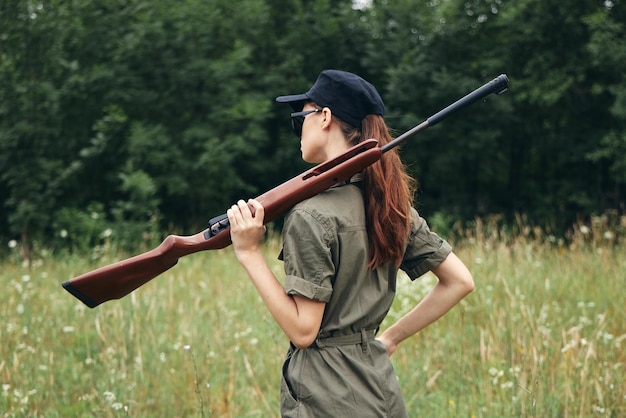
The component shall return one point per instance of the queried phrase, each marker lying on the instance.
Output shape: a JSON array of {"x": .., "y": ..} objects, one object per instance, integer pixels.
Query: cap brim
[
  {"x": 292, "y": 98},
  {"x": 296, "y": 101}
]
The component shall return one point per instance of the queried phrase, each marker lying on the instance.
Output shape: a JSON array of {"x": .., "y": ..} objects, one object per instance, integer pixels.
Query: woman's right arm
[{"x": 300, "y": 318}]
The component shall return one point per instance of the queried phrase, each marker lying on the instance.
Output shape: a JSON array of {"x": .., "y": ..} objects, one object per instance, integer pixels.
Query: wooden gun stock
[{"x": 119, "y": 279}]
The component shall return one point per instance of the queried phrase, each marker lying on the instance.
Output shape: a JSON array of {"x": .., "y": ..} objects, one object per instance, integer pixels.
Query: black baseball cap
[{"x": 347, "y": 95}]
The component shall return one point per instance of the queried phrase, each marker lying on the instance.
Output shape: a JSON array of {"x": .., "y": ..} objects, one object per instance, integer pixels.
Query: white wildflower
[
  {"x": 506, "y": 385},
  {"x": 12, "y": 243},
  {"x": 515, "y": 370},
  {"x": 109, "y": 396}
]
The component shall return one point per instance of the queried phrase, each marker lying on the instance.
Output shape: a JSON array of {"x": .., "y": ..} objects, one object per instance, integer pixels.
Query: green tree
[
  {"x": 35, "y": 83},
  {"x": 127, "y": 115},
  {"x": 607, "y": 50},
  {"x": 543, "y": 148}
]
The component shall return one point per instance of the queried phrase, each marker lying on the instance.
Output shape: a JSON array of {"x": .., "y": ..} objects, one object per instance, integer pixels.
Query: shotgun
[{"x": 119, "y": 279}]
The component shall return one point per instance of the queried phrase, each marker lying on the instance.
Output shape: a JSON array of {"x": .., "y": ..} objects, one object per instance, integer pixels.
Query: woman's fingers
[
  {"x": 234, "y": 215},
  {"x": 258, "y": 212},
  {"x": 246, "y": 213},
  {"x": 244, "y": 209}
]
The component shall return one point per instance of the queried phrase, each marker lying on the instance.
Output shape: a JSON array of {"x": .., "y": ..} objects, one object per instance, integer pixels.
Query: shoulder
[
  {"x": 332, "y": 201},
  {"x": 332, "y": 208}
]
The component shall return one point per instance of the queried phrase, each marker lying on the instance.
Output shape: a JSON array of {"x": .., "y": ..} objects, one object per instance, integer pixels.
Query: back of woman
[{"x": 341, "y": 252}]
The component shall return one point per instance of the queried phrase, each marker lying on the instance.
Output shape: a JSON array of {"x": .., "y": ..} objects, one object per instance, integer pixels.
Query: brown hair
[{"x": 388, "y": 191}]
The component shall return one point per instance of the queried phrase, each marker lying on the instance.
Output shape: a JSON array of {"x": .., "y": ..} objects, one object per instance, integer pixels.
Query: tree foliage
[{"x": 156, "y": 116}]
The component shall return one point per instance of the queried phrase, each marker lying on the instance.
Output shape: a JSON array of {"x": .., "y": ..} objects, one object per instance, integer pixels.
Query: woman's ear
[{"x": 327, "y": 117}]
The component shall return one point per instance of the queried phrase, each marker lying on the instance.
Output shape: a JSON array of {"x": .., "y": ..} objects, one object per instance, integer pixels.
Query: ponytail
[{"x": 388, "y": 193}]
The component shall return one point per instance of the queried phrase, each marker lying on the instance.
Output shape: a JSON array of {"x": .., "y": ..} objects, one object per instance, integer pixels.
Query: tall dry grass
[{"x": 543, "y": 335}]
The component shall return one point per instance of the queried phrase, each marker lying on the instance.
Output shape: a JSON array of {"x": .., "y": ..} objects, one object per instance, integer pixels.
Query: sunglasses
[{"x": 297, "y": 120}]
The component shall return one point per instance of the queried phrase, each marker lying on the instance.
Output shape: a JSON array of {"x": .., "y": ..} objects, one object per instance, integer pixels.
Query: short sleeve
[
  {"x": 425, "y": 249},
  {"x": 307, "y": 255}
]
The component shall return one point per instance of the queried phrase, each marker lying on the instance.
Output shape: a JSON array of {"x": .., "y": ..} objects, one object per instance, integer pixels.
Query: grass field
[{"x": 543, "y": 335}]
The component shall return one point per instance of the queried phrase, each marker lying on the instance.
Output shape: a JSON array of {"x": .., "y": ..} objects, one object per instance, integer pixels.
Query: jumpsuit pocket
[{"x": 288, "y": 397}]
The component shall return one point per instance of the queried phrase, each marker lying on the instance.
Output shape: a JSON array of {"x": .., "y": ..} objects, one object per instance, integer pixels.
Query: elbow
[
  {"x": 305, "y": 327},
  {"x": 452, "y": 273},
  {"x": 462, "y": 284},
  {"x": 468, "y": 283},
  {"x": 303, "y": 341},
  {"x": 303, "y": 337}
]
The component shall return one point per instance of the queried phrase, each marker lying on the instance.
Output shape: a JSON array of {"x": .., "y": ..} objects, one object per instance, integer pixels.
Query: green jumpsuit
[{"x": 346, "y": 372}]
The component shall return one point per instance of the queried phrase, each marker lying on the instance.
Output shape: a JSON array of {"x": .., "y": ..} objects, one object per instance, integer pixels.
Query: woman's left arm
[
  {"x": 299, "y": 317},
  {"x": 455, "y": 282}
]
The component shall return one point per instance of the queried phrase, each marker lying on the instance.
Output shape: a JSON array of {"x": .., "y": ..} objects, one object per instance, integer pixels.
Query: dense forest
[{"x": 131, "y": 119}]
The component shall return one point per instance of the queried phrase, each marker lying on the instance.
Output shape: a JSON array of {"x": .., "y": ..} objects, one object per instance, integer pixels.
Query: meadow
[{"x": 543, "y": 335}]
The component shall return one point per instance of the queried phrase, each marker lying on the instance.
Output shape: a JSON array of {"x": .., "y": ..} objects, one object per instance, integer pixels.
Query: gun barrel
[{"x": 498, "y": 85}]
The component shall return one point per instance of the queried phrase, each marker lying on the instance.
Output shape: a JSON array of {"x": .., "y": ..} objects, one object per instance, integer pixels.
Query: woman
[{"x": 341, "y": 252}]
